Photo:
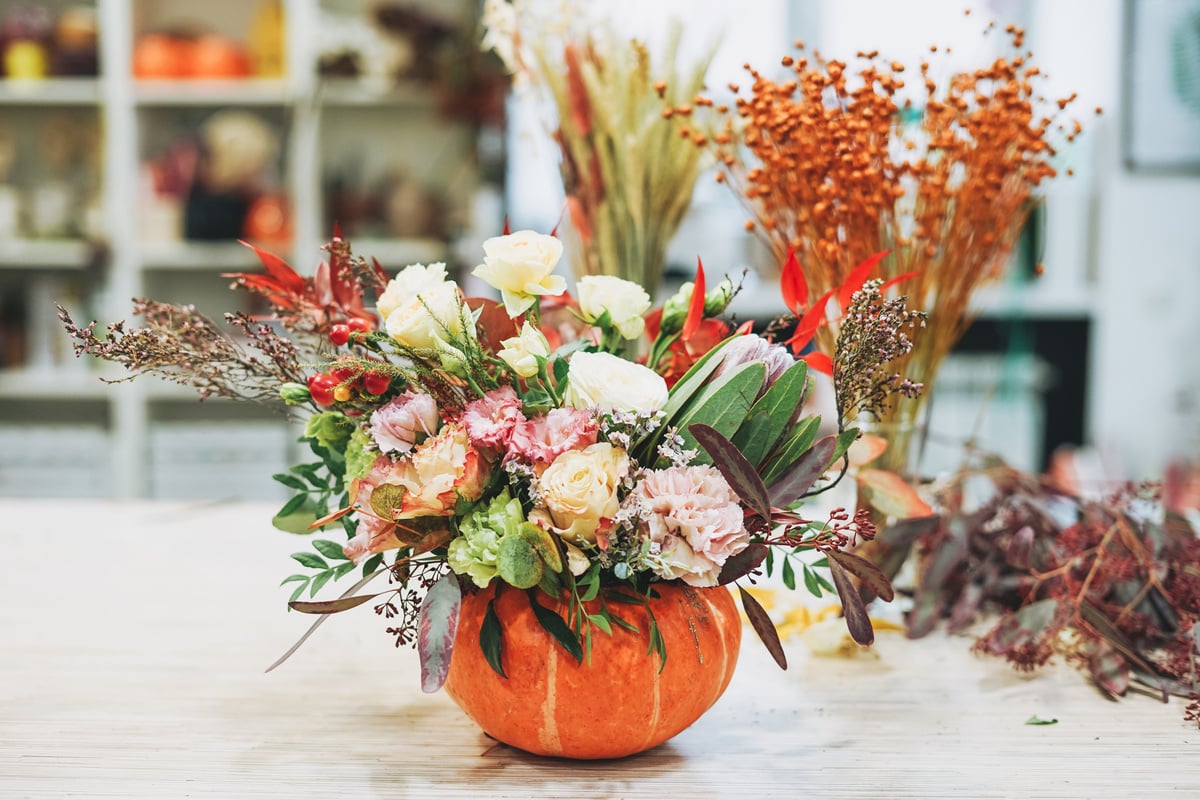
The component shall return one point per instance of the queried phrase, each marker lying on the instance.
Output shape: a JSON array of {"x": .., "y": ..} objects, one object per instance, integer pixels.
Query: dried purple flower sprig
[
  {"x": 871, "y": 336},
  {"x": 181, "y": 345}
]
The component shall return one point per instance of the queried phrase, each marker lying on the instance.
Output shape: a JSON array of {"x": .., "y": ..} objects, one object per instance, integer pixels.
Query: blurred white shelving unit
[{"x": 60, "y": 424}]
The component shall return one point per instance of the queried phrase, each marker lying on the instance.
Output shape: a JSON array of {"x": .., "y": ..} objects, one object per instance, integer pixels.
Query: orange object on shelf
[
  {"x": 218, "y": 57},
  {"x": 267, "y": 220},
  {"x": 158, "y": 56}
]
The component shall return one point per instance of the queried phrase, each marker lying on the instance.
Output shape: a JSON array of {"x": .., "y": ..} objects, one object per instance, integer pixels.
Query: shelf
[
  {"x": 216, "y": 93},
  {"x": 50, "y": 92},
  {"x": 762, "y": 300},
  {"x": 45, "y": 253},
  {"x": 334, "y": 92},
  {"x": 56, "y": 384},
  {"x": 202, "y": 256},
  {"x": 396, "y": 254}
]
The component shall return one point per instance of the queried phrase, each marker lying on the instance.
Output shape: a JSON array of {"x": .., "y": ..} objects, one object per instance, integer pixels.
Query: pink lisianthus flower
[
  {"x": 542, "y": 439},
  {"x": 694, "y": 521},
  {"x": 490, "y": 420},
  {"x": 404, "y": 422}
]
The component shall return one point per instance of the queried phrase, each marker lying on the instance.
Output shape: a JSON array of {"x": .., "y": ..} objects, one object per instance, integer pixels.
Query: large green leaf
[
  {"x": 684, "y": 389},
  {"x": 436, "y": 627},
  {"x": 723, "y": 403},
  {"x": 795, "y": 443},
  {"x": 770, "y": 417}
]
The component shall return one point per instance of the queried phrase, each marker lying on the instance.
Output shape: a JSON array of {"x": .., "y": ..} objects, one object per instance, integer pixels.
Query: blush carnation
[
  {"x": 695, "y": 521},
  {"x": 542, "y": 439},
  {"x": 490, "y": 420},
  {"x": 404, "y": 422}
]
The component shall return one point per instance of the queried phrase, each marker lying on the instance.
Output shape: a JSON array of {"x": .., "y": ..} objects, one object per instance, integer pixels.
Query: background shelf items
[{"x": 221, "y": 120}]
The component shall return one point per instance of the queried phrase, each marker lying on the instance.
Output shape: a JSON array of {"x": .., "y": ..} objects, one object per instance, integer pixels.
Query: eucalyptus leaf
[
  {"x": 738, "y": 472},
  {"x": 761, "y": 622},
  {"x": 558, "y": 628},
  {"x": 491, "y": 639},
  {"x": 857, "y": 620},
  {"x": 518, "y": 562},
  {"x": 437, "y": 624}
]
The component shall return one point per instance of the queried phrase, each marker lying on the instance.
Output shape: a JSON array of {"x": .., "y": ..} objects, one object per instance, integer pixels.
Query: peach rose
[{"x": 579, "y": 491}]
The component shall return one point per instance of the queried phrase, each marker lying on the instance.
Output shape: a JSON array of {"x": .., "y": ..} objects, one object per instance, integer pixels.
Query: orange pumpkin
[{"x": 618, "y": 705}]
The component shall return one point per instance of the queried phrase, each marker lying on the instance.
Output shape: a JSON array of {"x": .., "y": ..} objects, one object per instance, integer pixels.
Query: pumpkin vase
[{"x": 618, "y": 704}]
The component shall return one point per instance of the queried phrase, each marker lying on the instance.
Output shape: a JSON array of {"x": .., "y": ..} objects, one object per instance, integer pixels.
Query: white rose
[
  {"x": 521, "y": 266},
  {"x": 431, "y": 320},
  {"x": 410, "y": 281},
  {"x": 521, "y": 352},
  {"x": 625, "y": 302},
  {"x": 607, "y": 382}
]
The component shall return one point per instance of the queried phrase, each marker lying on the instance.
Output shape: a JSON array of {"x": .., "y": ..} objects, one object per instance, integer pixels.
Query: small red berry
[
  {"x": 345, "y": 374},
  {"x": 376, "y": 382},
  {"x": 339, "y": 334},
  {"x": 360, "y": 325},
  {"x": 321, "y": 387}
]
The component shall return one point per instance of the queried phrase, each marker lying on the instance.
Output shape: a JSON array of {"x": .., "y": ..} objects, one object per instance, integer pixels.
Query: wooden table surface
[{"x": 133, "y": 639}]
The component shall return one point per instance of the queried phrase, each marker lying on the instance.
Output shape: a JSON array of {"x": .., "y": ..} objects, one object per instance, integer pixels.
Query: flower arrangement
[
  {"x": 837, "y": 163},
  {"x": 457, "y": 449},
  {"x": 628, "y": 178}
]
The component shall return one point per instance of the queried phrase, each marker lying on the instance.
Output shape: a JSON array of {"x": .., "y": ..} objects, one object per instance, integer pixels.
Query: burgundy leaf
[
  {"x": 866, "y": 572},
  {"x": 743, "y": 563},
  {"x": 738, "y": 472},
  {"x": 330, "y": 606},
  {"x": 436, "y": 626},
  {"x": 321, "y": 619},
  {"x": 801, "y": 475},
  {"x": 857, "y": 621},
  {"x": 763, "y": 627},
  {"x": 924, "y": 615},
  {"x": 966, "y": 607},
  {"x": 905, "y": 532}
]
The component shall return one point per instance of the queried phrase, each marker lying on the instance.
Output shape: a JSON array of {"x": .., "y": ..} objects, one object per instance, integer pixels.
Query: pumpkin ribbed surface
[{"x": 619, "y": 704}]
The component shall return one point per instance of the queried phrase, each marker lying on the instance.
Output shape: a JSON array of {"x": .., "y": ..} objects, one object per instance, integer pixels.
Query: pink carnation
[
  {"x": 542, "y": 439},
  {"x": 490, "y": 419},
  {"x": 695, "y": 520},
  {"x": 405, "y": 420}
]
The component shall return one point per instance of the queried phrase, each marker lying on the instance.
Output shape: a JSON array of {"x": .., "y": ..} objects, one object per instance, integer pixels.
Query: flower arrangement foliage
[
  {"x": 456, "y": 448},
  {"x": 1109, "y": 583},
  {"x": 628, "y": 177}
]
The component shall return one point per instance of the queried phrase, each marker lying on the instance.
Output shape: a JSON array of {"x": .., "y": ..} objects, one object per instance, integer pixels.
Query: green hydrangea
[
  {"x": 330, "y": 429},
  {"x": 475, "y": 551},
  {"x": 360, "y": 454}
]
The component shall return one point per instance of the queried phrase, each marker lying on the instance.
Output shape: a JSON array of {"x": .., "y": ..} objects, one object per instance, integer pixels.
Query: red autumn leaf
[
  {"x": 696, "y": 308},
  {"x": 792, "y": 284},
  {"x": 857, "y": 277},
  {"x": 337, "y": 230},
  {"x": 806, "y": 328},
  {"x": 818, "y": 361},
  {"x": 745, "y": 328},
  {"x": 506, "y": 230},
  {"x": 287, "y": 278},
  {"x": 494, "y": 324}
]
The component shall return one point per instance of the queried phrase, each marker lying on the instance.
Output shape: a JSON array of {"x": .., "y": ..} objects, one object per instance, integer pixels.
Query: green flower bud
[
  {"x": 718, "y": 298},
  {"x": 294, "y": 393},
  {"x": 676, "y": 308}
]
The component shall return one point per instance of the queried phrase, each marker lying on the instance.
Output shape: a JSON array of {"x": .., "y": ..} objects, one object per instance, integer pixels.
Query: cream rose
[
  {"x": 608, "y": 382},
  {"x": 625, "y": 302},
  {"x": 521, "y": 266},
  {"x": 521, "y": 352},
  {"x": 579, "y": 490},
  {"x": 431, "y": 320},
  {"x": 410, "y": 281}
]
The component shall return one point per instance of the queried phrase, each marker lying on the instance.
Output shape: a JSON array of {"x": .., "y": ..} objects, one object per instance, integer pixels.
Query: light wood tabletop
[{"x": 133, "y": 639}]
